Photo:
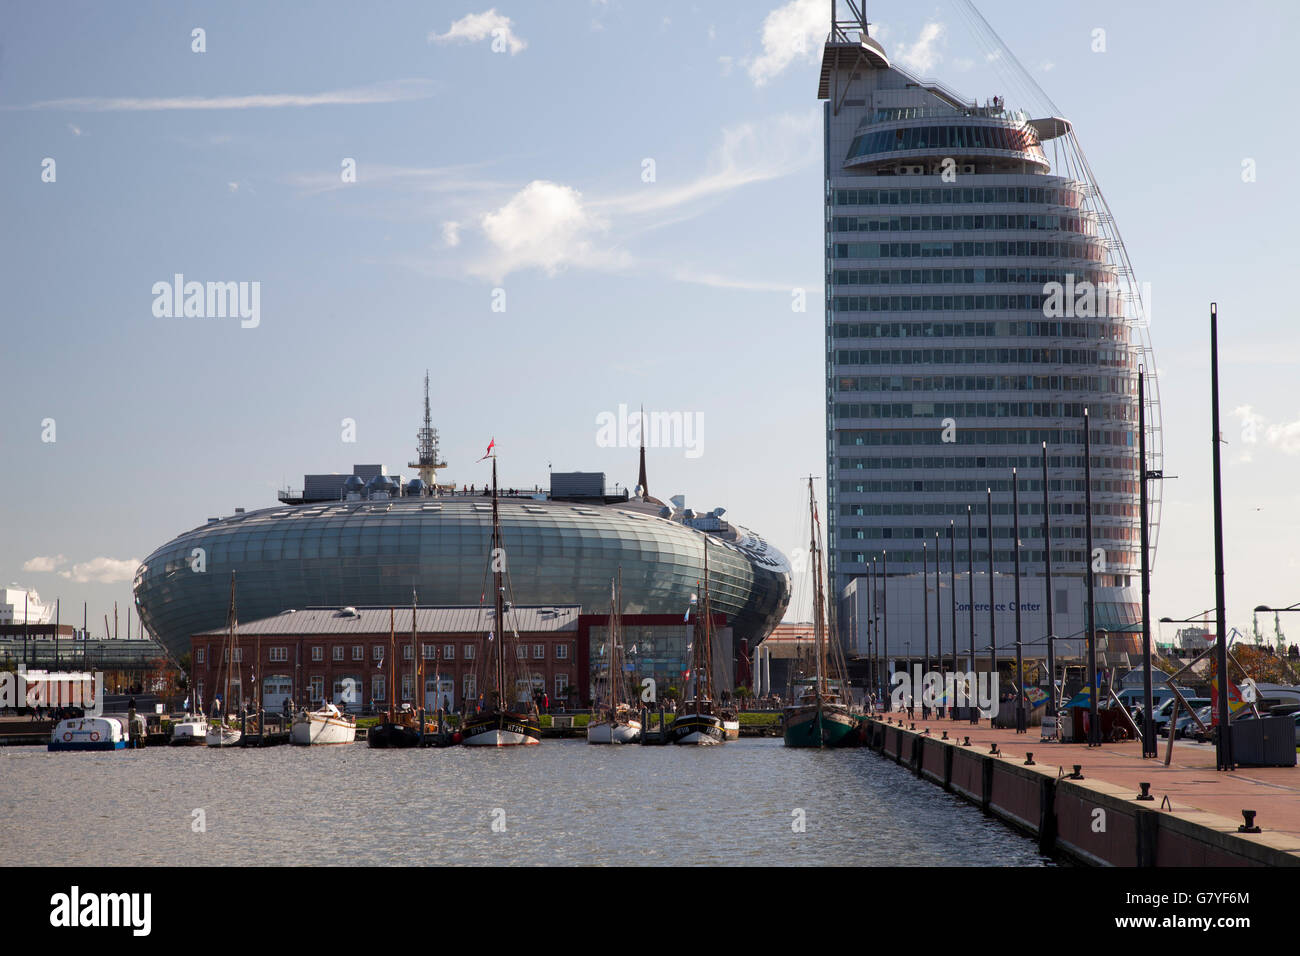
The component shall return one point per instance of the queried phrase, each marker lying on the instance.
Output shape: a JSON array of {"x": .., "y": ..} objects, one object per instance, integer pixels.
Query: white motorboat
[
  {"x": 324, "y": 726},
  {"x": 189, "y": 732},
  {"x": 223, "y": 735},
  {"x": 619, "y": 727},
  {"x": 89, "y": 733}
]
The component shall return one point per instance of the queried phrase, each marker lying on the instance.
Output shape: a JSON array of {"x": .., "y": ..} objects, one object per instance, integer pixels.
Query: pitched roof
[{"x": 428, "y": 620}]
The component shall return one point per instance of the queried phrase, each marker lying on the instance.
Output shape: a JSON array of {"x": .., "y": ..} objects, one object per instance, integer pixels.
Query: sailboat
[
  {"x": 495, "y": 723},
  {"x": 400, "y": 727},
  {"x": 819, "y": 716},
  {"x": 699, "y": 723},
  {"x": 222, "y": 730},
  {"x": 620, "y": 723}
]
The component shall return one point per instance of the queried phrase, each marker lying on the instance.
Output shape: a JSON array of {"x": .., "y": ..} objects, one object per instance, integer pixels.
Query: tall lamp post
[
  {"x": 1223, "y": 739},
  {"x": 1021, "y": 721},
  {"x": 884, "y": 623},
  {"x": 1051, "y": 625},
  {"x": 1094, "y": 732},
  {"x": 993, "y": 631}
]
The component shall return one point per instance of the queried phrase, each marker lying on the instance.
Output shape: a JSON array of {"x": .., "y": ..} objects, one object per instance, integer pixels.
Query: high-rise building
[{"x": 978, "y": 300}]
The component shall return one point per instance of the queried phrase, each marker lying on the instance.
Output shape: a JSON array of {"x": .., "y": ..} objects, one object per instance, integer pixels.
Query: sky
[{"x": 558, "y": 209}]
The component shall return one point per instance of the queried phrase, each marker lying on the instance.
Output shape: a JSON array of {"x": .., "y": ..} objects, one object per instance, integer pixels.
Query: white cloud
[
  {"x": 792, "y": 32},
  {"x": 475, "y": 27},
  {"x": 922, "y": 56},
  {"x": 45, "y": 564},
  {"x": 750, "y": 152},
  {"x": 102, "y": 571},
  {"x": 451, "y": 233},
  {"x": 233, "y": 187},
  {"x": 75, "y": 129},
  {"x": 1285, "y": 437},
  {"x": 357, "y": 96},
  {"x": 545, "y": 225}
]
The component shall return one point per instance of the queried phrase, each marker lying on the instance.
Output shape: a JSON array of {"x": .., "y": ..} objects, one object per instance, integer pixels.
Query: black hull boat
[
  {"x": 390, "y": 736},
  {"x": 500, "y": 728}
]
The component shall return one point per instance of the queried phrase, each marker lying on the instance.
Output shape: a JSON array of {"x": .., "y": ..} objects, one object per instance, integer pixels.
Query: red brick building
[{"x": 350, "y": 656}]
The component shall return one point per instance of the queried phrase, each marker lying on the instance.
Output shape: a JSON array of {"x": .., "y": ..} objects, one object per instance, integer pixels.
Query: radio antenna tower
[{"x": 426, "y": 448}]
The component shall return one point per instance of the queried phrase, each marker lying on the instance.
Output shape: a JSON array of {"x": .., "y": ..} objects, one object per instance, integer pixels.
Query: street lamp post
[
  {"x": 952, "y": 587},
  {"x": 938, "y": 622},
  {"x": 1051, "y": 625},
  {"x": 1223, "y": 747},
  {"x": 1148, "y": 721},
  {"x": 972, "y": 713},
  {"x": 925, "y": 611},
  {"x": 1094, "y": 732},
  {"x": 993, "y": 630},
  {"x": 1021, "y": 721},
  {"x": 884, "y": 621}
]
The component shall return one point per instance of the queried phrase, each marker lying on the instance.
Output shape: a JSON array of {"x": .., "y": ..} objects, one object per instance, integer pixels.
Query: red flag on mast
[{"x": 488, "y": 453}]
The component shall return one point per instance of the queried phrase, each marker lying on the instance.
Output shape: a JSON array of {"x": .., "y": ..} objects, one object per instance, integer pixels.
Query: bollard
[
  {"x": 1249, "y": 825},
  {"x": 1146, "y": 792},
  {"x": 1029, "y": 758},
  {"x": 993, "y": 751},
  {"x": 1078, "y": 772},
  {"x": 945, "y": 735},
  {"x": 966, "y": 742}
]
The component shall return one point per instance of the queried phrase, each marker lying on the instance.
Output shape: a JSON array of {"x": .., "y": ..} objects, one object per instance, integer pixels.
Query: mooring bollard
[
  {"x": 1146, "y": 792},
  {"x": 1029, "y": 758},
  {"x": 993, "y": 751},
  {"x": 1078, "y": 772},
  {"x": 966, "y": 742},
  {"x": 945, "y": 735},
  {"x": 1249, "y": 825}
]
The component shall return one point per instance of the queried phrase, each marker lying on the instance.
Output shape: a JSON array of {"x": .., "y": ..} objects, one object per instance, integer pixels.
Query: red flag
[{"x": 488, "y": 453}]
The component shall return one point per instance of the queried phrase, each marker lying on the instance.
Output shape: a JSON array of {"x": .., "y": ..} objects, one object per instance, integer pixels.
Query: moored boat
[
  {"x": 327, "y": 725},
  {"x": 89, "y": 733},
  {"x": 698, "y": 722},
  {"x": 495, "y": 723},
  {"x": 618, "y": 724},
  {"x": 224, "y": 731},
  {"x": 189, "y": 732},
  {"x": 819, "y": 716}
]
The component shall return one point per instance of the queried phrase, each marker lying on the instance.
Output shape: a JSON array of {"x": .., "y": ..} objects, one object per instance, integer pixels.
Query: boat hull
[
  {"x": 501, "y": 729},
  {"x": 731, "y": 728},
  {"x": 223, "y": 737},
  {"x": 88, "y": 733},
  {"x": 392, "y": 737},
  {"x": 317, "y": 730},
  {"x": 701, "y": 730},
  {"x": 606, "y": 732},
  {"x": 837, "y": 728}
]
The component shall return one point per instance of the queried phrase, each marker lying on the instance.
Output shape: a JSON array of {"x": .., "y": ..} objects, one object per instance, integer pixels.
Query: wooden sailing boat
[
  {"x": 495, "y": 723},
  {"x": 401, "y": 726},
  {"x": 620, "y": 723},
  {"x": 222, "y": 730},
  {"x": 819, "y": 715},
  {"x": 699, "y": 722}
]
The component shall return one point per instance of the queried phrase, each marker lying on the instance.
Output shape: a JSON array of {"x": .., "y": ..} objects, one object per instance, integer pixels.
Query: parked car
[
  {"x": 1187, "y": 725},
  {"x": 1165, "y": 710}
]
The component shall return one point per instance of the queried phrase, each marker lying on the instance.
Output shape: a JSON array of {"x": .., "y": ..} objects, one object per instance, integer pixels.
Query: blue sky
[{"x": 523, "y": 170}]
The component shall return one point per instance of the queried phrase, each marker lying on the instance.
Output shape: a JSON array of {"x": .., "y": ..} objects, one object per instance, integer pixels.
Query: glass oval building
[{"x": 378, "y": 551}]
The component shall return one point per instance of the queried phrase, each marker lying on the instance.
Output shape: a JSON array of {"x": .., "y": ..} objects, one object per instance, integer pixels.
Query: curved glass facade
[
  {"x": 1014, "y": 139},
  {"x": 1017, "y": 329},
  {"x": 373, "y": 553}
]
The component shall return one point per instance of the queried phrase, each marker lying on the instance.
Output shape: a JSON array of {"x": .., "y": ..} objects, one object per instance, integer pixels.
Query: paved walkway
[{"x": 1191, "y": 783}]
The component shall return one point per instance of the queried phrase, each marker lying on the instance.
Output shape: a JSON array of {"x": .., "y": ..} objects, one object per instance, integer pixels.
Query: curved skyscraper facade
[{"x": 977, "y": 301}]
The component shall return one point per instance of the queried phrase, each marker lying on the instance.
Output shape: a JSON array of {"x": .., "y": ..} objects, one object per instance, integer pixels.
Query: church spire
[{"x": 641, "y": 478}]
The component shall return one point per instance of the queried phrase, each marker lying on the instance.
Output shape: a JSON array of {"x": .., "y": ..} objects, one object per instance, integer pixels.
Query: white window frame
[
  {"x": 317, "y": 652},
  {"x": 358, "y": 652},
  {"x": 338, "y": 652},
  {"x": 199, "y": 655},
  {"x": 561, "y": 652},
  {"x": 539, "y": 652},
  {"x": 279, "y": 654}
]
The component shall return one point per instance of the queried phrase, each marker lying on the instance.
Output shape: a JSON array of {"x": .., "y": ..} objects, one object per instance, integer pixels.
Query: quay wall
[{"x": 1088, "y": 821}]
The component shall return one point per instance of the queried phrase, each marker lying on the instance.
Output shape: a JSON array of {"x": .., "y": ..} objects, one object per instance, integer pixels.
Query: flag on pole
[{"x": 488, "y": 454}]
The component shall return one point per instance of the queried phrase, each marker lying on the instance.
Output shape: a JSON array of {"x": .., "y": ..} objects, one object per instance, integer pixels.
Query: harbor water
[{"x": 750, "y": 802}]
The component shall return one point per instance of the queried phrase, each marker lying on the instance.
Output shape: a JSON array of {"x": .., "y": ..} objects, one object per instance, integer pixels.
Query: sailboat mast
[
  {"x": 616, "y": 697},
  {"x": 417, "y": 688},
  {"x": 708, "y": 629},
  {"x": 498, "y": 589},
  {"x": 392, "y": 664},
  {"x": 819, "y": 621},
  {"x": 230, "y": 645}
]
